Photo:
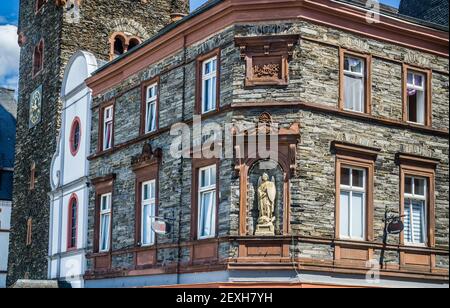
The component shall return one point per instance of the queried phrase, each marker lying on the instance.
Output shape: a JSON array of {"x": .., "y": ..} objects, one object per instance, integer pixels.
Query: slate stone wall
[{"x": 314, "y": 79}]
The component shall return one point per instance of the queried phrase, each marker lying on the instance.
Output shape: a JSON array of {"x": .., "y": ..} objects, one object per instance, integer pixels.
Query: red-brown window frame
[
  {"x": 33, "y": 176},
  {"x": 428, "y": 93},
  {"x": 73, "y": 198},
  {"x": 198, "y": 164},
  {"x": 74, "y": 151},
  {"x": 39, "y": 48},
  {"x": 39, "y": 5},
  {"x": 101, "y": 121},
  {"x": 359, "y": 157},
  {"x": 103, "y": 185},
  {"x": 199, "y": 80},
  {"x": 29, "y": 235},
  {"x": 145, "y": 173},
  {"x": 411, "y": 165},
  {"x": 144, "y": 86},
  {"x": 367, "y": 79}
]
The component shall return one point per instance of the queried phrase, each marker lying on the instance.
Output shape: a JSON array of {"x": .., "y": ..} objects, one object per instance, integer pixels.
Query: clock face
[{"x": 35, "y": 107}]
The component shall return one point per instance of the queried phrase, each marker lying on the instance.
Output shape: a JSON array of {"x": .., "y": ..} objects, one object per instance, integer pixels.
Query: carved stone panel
[{"x": 267, "y": 59}]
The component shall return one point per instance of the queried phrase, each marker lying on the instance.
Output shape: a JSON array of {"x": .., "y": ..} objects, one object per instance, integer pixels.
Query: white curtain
[
  {"x": 354, "y": 93},
  {"x": 414, "y": 226},
  {"x": 207, "y": 215}
]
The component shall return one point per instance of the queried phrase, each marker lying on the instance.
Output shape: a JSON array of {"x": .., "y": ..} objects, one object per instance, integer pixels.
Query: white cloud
[{"x": 9, "y": 56}]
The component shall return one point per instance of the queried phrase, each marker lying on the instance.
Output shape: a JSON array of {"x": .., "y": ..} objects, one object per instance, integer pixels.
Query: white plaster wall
[
  {"x": 4, "y": 242},
  {"x": 5, "y": 215}
]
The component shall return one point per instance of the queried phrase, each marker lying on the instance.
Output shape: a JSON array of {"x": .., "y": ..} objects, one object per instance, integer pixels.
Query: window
[
  {"x": 39, "y": 4},
  {"x": 29, "y": 231},
  {"x": 38, "y": 58},
  {"x": 151, "y": 101},
  {"x": 72, "y": 222},
  {"x": 355, "y": 88},
  {"x": 352, "y": 203},
  {"x": 209, "y": 85},
  {"x": 105, "y": 222},
  {"x": 354, "y": 84},
  {"x": 75, "y": 136},
  {"x": 416, "y": 97},
  {"x": 415, "y": 198},
  {"x": 33, "y": 176},
  {"x": 207, "y": 202},
  {"x": 121, "y": 43},
  {"x": 108, "y": 117},
  {"x": 148, "y": 204}
]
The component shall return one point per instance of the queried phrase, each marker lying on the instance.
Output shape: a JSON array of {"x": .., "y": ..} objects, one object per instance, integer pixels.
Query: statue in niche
[{"x": 267, "y": 192}]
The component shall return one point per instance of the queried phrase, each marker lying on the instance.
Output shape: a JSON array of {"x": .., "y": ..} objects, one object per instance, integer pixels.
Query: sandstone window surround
[
  {"x": 150, "y": 93},
  {"x": 420, "y": 168},
  {"x": 354, "y": 157},
  {"x": 75, "y": 136},
  {"x": 38, "y": 58},
  {"x": 106, "y": 126},
  {"x": 199, "y": 189},
  {"x": 103, "y": 187},
  {"x": 121, "y": 43},
  {"x": 267, "y": 59},
  {"x": 207, "y": 96},
  {"x": 355, "y": 80},
  {"x": 29, "y": 237},
  {"x": 417, "y": 95},
  {"x": 33, "y": 176},
  {"x": 39, "y": 5},
  {"x": 146, "y": 168},
  {"x": 72, "y": 222}
]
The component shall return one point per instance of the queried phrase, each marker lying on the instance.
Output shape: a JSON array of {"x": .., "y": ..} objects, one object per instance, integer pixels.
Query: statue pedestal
[{"x": 265, "y": 230}]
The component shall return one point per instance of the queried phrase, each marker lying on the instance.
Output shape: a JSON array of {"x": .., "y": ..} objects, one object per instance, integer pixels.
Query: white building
[{"x": 69, "y": 175}]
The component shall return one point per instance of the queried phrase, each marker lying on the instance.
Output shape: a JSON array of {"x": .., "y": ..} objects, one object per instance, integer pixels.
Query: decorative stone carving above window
[
  {"x": 267, "y": 59},
  {"x": 147, "y": 157}
]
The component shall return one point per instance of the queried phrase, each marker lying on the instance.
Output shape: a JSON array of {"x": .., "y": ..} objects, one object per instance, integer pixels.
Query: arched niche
[{"x": 247, "y": 167}]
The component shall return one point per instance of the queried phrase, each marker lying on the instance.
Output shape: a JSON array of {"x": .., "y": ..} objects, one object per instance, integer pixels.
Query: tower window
[
  {"x": 29, "y": 231},
  {"x": 121, "y": 43},
  {"x": 39, "y": 4},
  {"x": 38, "y": 58},
  {"x": 72, "y": 222},
  {"x": 33, "y": 176}
]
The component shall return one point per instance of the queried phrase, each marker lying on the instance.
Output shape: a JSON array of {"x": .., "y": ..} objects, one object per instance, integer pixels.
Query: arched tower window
[
  {"x": 133, "y": 43},
  {"x": 38, "y": 58},
  {"x": 75, "y": 136},
  {"x": 121, "y": 43},
  {"x": 72, "y": 223}
]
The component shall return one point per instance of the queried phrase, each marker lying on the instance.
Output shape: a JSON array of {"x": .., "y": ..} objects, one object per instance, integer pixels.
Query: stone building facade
[
  {"x": 50, "y": 32},
  {"x": 286, "y": 67}
]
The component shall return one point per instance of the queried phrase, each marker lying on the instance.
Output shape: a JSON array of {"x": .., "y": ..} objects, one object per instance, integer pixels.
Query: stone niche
[
  {"x": 276, "y": 174},
  {"x": 251, "y": 166}
]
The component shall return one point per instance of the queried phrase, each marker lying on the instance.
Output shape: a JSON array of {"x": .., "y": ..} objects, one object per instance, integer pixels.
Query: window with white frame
[
  {"x": 415, "y": 198},
  {"x": 353, "y": 203},
  {"x": 148, "y": 205},
  {"x": 354, "y": 84},
  {"x": 105, "y": 222},
  {"x": 207, "y": 202},
  {"x": 151, "y": 99},
  {"x": 209, "y": 85},
  {"x": 108, "y": 117},
  {"x": 416, "y": 97}
]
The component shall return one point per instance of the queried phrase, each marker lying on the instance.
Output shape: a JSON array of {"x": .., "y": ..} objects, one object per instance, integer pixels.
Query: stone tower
[
  {"x": 435, "y": 11},
  {"x": 50, "y": 31}
]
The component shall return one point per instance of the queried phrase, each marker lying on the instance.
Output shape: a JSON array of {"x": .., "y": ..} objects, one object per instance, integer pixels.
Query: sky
[{"x": 9, "y": 50}]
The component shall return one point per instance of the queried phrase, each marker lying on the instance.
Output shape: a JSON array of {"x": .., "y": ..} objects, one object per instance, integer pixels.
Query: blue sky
[{"x": 9, "y": 51}]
